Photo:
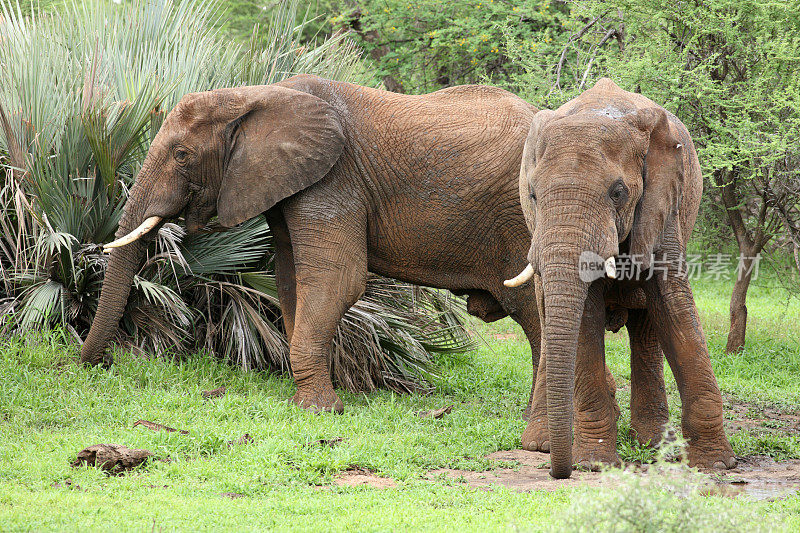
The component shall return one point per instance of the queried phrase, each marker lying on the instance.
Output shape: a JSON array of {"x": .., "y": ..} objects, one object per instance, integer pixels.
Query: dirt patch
[
  {"x": 750, "y": 416},
  {"x": 505, "y": 336},
  {"x": 329, "y": 443},
  {"x": 216, "y": 393},
  {"x": 755, "y": 477},
  {"x": 532, "y": 473},
  {"x": 155, "y": 426},
  {"x": 436, "y": 413},
  {"x": 244, "y": 439},
  {"x": 231, "y": 495},
  {"x": 358, "y": 476}
]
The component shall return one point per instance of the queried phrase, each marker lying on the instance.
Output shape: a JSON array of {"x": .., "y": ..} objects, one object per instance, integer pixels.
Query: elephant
[
  {"x": 351, "y": 179},
  {"x": 610, "y": 187}
]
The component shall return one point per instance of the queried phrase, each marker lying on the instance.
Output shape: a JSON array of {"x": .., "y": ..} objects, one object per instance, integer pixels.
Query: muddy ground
[
  {"x": 755, "y": 477},
  {"x": 758, "y": 478}
]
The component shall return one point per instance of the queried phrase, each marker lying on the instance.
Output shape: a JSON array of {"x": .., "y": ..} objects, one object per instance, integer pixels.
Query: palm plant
[{"x": 82, "y": 94}]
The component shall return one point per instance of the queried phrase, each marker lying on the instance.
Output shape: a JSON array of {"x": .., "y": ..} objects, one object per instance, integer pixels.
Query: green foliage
[
  {"x": 667, "y": 498},
  {"x": 427, "y": 44},
  {"x": 82, "y": 94}
]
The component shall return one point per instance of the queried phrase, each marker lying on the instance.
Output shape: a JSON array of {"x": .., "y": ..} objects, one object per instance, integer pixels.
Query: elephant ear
[
  {"x": 280, "y": 142},
  {"x": 530, "y": 154},
  {"x": 663, "y": 183}
]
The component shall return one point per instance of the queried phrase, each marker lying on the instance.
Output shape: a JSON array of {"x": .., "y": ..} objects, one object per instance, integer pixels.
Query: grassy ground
[{"x": 50, "y": 408}]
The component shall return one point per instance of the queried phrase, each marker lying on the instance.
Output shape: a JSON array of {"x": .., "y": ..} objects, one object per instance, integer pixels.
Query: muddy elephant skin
[
  {"x": 419, "y": 188},
  {"x": 611, "y": 175}
]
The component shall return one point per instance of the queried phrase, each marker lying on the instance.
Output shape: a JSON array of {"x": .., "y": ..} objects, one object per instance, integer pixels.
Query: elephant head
[
  {"x": 230, "y": 152},
  {"x": 600, "y": 175}
]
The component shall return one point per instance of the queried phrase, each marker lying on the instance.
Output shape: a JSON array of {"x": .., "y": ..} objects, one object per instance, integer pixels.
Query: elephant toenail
[{"x": 720, "y": 465}]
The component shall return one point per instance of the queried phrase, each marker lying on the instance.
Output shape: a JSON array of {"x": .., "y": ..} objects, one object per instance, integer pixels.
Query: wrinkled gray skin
[
  {"x": 611, "y": 173},
  {"x": 419, "y": 188}
]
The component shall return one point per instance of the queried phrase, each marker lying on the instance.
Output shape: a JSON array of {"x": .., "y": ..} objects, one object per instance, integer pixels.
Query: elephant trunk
[
  {"x": 557, "y": 249},
  {"x": 122, "y": 267},
  {"x": 564, "y": 299}
]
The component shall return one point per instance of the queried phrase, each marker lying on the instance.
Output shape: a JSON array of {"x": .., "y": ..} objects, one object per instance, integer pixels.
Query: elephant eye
[
  {"x": 181, "y": 155},
  {"x": 618, "y": 192}
]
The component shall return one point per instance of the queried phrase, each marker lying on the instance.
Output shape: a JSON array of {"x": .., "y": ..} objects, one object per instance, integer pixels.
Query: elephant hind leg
[
  {"x": 330, "y": 265},
  {"x": 284, "y": 270},
  {"x": 649, "y": 412}
]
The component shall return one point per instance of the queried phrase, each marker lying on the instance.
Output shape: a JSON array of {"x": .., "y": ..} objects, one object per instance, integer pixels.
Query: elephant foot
[
  {"x": 104, "y": 360},
  {"x": 717, "y": 455},
  {"x": 536, "y": 438},
  {"x": 319, "y": 401},
  {"x": 649, "y": 432},
  {"x": 595, "y": 458}
]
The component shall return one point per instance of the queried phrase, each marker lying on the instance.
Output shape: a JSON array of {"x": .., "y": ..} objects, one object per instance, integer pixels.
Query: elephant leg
[
  {"x": 681, "y": 336},
  {"x": 649, "y": 412},
  {"x": 330, "y": 260},
  {"x": 536, "y": 437},
  {"x": 530, "y": 325},
  {"x": 535, "y": 352},
  {"x": 284, "y": 271},
  {"x": 596, "y": 410}
]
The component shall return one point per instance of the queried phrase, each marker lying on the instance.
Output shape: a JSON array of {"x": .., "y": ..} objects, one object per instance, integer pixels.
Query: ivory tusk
[
  {"x": 520, "y": 278},
  {"x": 611, "y": 267},
  {"x": 136, "y": 234}
]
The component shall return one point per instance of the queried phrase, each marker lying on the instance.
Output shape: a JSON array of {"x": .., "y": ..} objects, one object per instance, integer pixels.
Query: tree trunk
[
  {"x": 750, "y": 245},
  {"x": 738, "y": 307}
]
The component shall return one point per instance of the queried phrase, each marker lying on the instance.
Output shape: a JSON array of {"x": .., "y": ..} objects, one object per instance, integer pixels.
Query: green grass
[{"x": 50, "y": 408}]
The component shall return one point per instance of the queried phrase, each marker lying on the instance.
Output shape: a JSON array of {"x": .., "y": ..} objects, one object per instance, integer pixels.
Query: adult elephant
[
  {"x": 417, "y": 188},
  {"x": 609, "y": 175}
]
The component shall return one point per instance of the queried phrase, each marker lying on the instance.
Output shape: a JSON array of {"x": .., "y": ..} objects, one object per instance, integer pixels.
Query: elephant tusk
[
  {"x": 136, "y": 234},
  {"x": 611, "y": 267},
  {"x": 520, "y": 278}
]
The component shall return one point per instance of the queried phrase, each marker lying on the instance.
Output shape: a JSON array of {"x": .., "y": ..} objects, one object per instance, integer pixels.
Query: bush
[{"x": 667, "y": 498}]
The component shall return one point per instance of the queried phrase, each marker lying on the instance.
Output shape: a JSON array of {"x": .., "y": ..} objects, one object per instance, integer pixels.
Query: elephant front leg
[
  {"x": 536, "y": 437},
  {"x": 330, "y": 267},
  {"x": 649, "y": 412},
  {"x": 596, "y": 411},
  {"x": 681, "y": 336}
]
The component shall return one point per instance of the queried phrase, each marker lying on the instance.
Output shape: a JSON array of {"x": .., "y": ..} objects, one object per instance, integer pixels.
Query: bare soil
[
  {"x": 755, "y": 477},
  {"x": 357, "y": 476},
  {"x": 761, "y": 418}
]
